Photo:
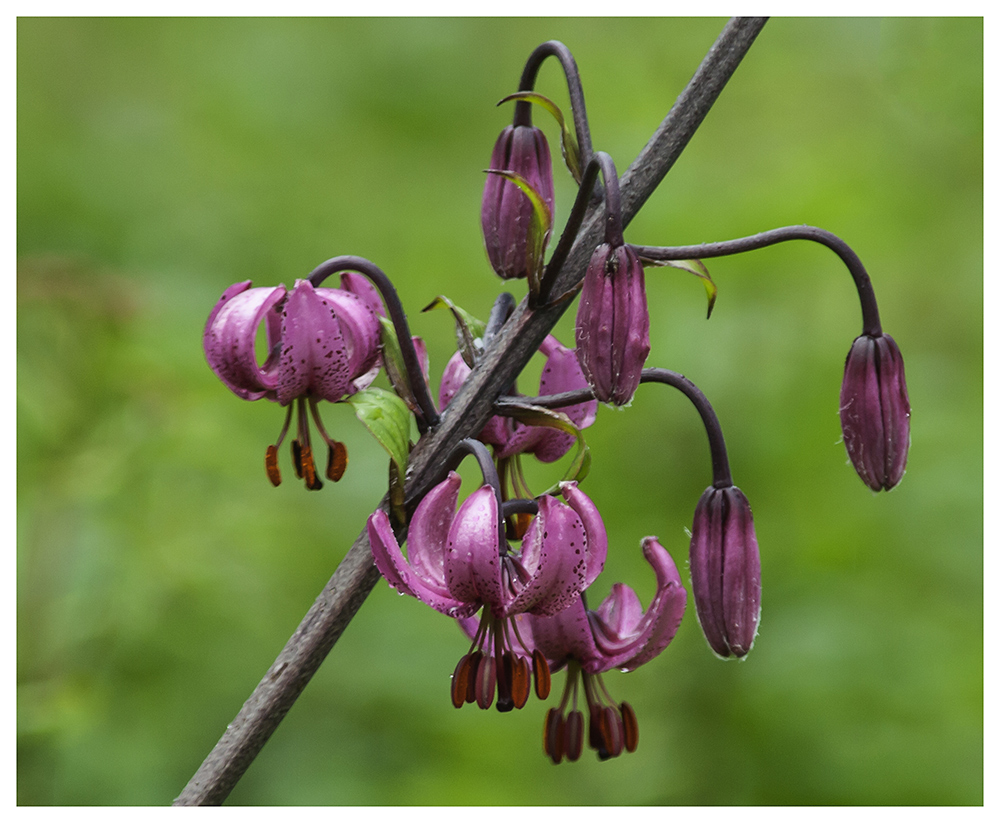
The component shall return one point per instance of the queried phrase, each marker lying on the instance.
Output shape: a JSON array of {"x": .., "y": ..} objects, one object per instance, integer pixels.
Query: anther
[
  {"x": 297, "y": 458},
  {"x": 271, "y": 464},
  {"x": 460, "y": 682},
  {"x": 614, "y": 731},
  {"x": 520, "y": 681},
  {"x": 337, "y": 463},
  {"x": 554, "y": 734},
  {"x": 573, "y": 735},
  {"x": 313, "y": 482},
  {"x": 486, "y": 681},
  {"x": 631, "y": 727},
  {"x": 543, "y": 677}
]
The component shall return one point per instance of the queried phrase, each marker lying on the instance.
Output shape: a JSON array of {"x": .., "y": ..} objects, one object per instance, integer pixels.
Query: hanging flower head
[
  {"x": 460, "y": 564},
  {"x": 323, "y": 344},
  {"x": 617, "y": 635}
]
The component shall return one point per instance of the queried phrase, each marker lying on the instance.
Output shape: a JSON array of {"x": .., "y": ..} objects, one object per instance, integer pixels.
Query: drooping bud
[
  {"x": 612, "y": 324},
  {"x": 725, "y": 571},
  {"x": 507, "y": 211},
  {"x": 875, "y": 411}
]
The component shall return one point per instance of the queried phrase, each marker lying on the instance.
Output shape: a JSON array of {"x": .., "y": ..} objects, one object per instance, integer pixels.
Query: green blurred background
[{"x": 159, "y": 574}]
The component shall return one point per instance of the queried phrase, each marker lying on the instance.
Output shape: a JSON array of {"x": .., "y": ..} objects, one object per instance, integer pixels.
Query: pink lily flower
[{"x": 322, "y": 344}]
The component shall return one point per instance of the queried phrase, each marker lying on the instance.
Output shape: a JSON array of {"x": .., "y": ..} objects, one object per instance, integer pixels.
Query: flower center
[
  {"x": 302, "y": 455},
  {"x": 493, "y": 668},
  {"x": 613, "y": 726}
]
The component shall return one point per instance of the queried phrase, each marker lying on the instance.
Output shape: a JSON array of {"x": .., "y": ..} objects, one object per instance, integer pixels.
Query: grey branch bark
[{"x": 464, "y": 417}]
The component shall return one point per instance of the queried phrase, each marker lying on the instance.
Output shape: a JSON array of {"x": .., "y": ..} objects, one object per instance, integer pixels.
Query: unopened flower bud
[
  {"x": 507, "y": 211},
  {"x": 612, "y": 324},
  {"x": 875, "y": 411},
  {"x": 725, "y": 571}
]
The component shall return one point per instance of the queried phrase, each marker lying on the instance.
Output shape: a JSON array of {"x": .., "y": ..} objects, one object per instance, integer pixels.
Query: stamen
[
  {"x": 573, "y": 735},
  {"x": 505, "y": 679},
  {"x": 486, "y": 681},
  {"x": 297, "y": 458},
  {"x": 631, "y": 727},
  {"x": 554, "y": 735},
  {"x": 543, "y": 677},
  {"x": 337, "y": 462},
  {"x": 313, "y": 483},
  {"x": 520, "y": 681},
  {"x": 614, "y": 731},
  {"x": 271, "y": 464},
  {"x": 460, "y": 682},
  {"x": 595, "y": 736}
]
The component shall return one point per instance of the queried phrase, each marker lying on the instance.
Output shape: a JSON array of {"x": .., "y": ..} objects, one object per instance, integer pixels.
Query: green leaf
[
  {"x": 388, "y": 419},
  {"x": 538, "y": 231},
  {"x": 695, "y": 267},
  {"x": 567, "y": 142},
  {"x": 469, "y": 330},
  {"x": 395, "y": 368}
]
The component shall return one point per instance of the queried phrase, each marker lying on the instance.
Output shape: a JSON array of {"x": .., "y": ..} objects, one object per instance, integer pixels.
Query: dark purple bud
[
  {"x": 875, "y": 411},
  {"x": 507, "y": 211},
  {"x": 612, "y": 324},
  {"x": 725, "y": 571}
]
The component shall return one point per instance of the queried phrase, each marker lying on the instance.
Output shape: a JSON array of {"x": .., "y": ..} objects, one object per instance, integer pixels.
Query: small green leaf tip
[
  {"x": 388, "y": 419},
  {"x": 567, "y": 141},
  {"x": 695, "y": 267}
]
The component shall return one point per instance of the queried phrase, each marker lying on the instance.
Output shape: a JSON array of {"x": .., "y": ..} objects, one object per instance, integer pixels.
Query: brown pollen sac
[
  {"x": 573, "y": 735},
  {"x": 520, "y": 681},
  {"x": 313, "y": 483},
  {"x": 553, "y": 739},
  {"x": 297, "y": 458},
  {"x": 460, "y": 682},
  {"x": 271, "y": 464},
  {"x": 486, "y": 681},
  {"x": 520, "y": 521},
  {"x": 543, "y": 677},
  {"x": 614, "y": 732},
  {"x": 631, "y": 725},
  {"x": 337, "y": 463}
]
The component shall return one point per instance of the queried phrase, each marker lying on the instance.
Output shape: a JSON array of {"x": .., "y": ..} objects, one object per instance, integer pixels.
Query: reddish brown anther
[
  {"x": 631, "y": 726},
  {"x": 460, "y": 680},
  {"x": 554, "y": 735},
  {"x": 297, "y": 458},
  {"x": 614, "y": 731},
  {"x": 313, "y": 482},
  {"x": 486, "y": 681},
  {"x": 543, "y": 677},
  {"x": 271, "y": 464},
  {"x": 520, "y": 686},
  {"x": 573, "y": 735},
  {"x": 337, "y": 463}
]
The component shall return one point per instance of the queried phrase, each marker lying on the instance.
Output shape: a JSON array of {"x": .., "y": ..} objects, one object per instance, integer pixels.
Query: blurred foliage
[{"x": 159, "y": 574}]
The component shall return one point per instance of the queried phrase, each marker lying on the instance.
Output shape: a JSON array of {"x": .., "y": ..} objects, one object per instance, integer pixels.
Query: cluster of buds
[{"x": 511, "y": 567}]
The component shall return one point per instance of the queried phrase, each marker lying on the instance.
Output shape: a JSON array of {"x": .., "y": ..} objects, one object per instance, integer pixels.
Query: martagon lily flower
[
  {"x": 323, "y": 344},
  {"x": 460, "y": 563},
  {"x": 617, "y": 635},
  {"x": 561, "y": 373}
]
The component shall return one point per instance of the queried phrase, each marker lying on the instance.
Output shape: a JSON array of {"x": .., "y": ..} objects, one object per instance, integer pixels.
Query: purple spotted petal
[
  {"x": 401, "y": 576},
  {"x": 564, "y": 635},
  {"x": 361, "y": 286},
  {"x": 597, "y": 535},
  {"x": 625, "y": 635},
  {"x": 360, "y": 328},
  {"x": 230, "y": 335},
  {"x": 496, "y": 432},
  {"x": 429, "y": 529},
  {"x": 472, "y": 563},
  {"x": 314, "y": 354},
  {"x": 554, "y": 554}
]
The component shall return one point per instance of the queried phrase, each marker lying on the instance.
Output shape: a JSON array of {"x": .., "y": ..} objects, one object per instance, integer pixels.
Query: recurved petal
[
  {"x": 361, "y": 286},
  {"x": 653, "y": 631},
  {"x": 315, "y": 357},
  {"x": 563, "y": 635},
  {"x": 554, "y": 554},
  {"x": 360, "y": 328},
  {"x": 230, "y": 334},
  {"x": 429, "y": 531},
  {"x": 597, "y": 535},
  {"x": 472, "y": 562},
  {"x": 496, "y": 432},
  {"x": 398, "y": 573}
]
